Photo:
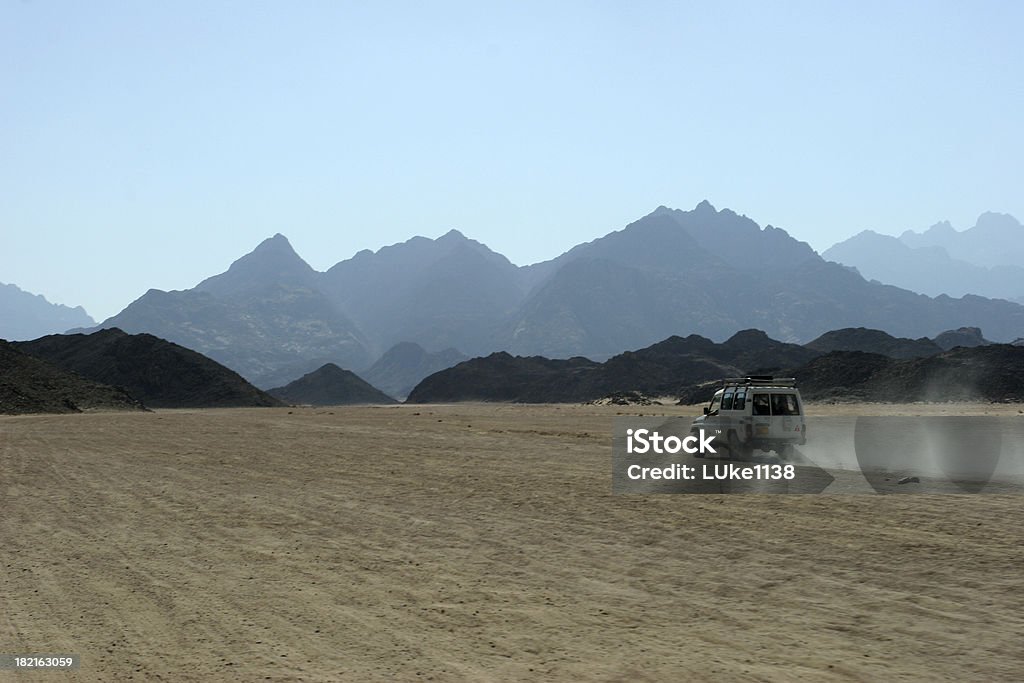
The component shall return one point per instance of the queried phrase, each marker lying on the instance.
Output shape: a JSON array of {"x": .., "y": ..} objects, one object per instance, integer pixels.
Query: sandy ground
[{"x": 474, "y": 542}]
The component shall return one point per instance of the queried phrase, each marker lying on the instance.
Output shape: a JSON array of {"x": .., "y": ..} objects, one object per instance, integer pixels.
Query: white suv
[{"x": 755, "y": 413}]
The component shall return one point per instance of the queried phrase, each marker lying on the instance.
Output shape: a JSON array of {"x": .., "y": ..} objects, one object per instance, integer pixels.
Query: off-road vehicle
[{"x": 755, "y": 413}]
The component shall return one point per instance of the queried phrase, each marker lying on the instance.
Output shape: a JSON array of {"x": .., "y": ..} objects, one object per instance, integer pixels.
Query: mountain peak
[
  {"x": 276, "y": 244},
  {"x": 452, "y": 234},
  {"x": 330, "y": 385},
  {"x": 273, "y": 261},
  {"x": 991, "y": 220},
  {"x": 705, "y": 207}
]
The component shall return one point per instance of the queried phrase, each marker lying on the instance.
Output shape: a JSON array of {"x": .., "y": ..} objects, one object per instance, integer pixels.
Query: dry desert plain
[{"x": 475, "y": 542}]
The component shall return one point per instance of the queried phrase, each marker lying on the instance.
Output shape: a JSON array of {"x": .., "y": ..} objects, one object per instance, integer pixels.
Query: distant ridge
[
  {"x": 160, "y": 373},
  {"x": 985, "y": 260},
  {"x": 26, "y": 316},
  {"x": 331, "y": 386}
]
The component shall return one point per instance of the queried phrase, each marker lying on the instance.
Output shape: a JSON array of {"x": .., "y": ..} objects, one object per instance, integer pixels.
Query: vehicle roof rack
[{"x": 761, "y": 381}]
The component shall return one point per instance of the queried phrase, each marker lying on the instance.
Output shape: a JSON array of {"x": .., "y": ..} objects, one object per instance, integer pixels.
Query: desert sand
[{"x": 475, "y": 542}]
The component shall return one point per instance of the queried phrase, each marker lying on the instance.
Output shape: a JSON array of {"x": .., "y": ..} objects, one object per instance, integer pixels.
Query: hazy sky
[{"x": 149, "y": 144}]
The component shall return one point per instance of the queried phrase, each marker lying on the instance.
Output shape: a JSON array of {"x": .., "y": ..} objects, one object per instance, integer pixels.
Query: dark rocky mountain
[
  {"x": 658, "y": 370},
  {"x": 503, "y": 377},
  {"x": 160, "y": 373},
  {"x": 692, "y": 367},
  {"x": 873, "y": 341},
  {"x": 968, "y": 337},
  {"x": 31, "y": 385},
  {"x": 330, "y": 386},
  {"x": 929, "y": 269},
  {"x": 405, "y": 365},
  {"x": 26, "y": 316},
  {"x": 443, "y": 293},
  {"x": 992, "y": 373},
  {"x": 266, "y": 312}
]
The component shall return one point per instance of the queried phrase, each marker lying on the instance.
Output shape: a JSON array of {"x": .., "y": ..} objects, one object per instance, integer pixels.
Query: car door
[{"x": 786, "y": 419}]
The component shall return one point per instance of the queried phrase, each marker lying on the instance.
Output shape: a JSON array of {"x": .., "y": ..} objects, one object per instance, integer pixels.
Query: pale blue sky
[{"x": 149, "y": 144}]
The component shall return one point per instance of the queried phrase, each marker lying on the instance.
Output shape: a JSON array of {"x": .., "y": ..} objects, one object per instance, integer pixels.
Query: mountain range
[
  {"x": 850, "y": 363},
  {"x": 272, "y": 318},
  {"x": 26, "y": 316},
  {"x": 986, "y": 259}
]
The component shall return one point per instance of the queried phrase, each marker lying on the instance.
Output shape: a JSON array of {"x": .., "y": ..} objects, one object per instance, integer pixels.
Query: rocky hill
[
  {"x": 158, "y": 372},
  {"x": 503, "y": 377},
  {"x": 661, "y": 369},
  {"x": 991, "y": 373},
  {"x": 31, "y": 385},
  {"x": 968, "y": 337},
  {"x": 330, "y": 386},
  {"x": 692, "y": 367},
  {"x": 873, "y": 341}
]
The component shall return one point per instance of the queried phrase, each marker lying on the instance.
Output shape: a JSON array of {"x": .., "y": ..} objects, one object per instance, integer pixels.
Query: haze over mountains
[
  {"x": 986, "y": 259},
  {"x": 273, "y": 318},
  {"x": 24, "y": 315}
]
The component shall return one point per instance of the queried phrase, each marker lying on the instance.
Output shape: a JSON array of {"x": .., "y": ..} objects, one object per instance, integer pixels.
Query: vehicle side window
[
  {"x": 784, "y": 404},
  {"x": 740, "y": 402},
  {"x": 761, "y": 405},
  {"x": 727, "y": 400},
  {"x": 715, "y": 403}
]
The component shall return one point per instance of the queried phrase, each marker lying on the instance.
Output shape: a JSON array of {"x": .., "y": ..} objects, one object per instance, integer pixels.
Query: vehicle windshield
[
  {"x": 715, "y": 402},
  {"x": 727, "y": 400}
]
